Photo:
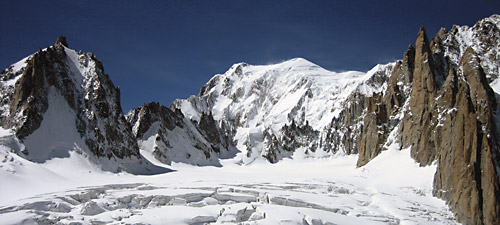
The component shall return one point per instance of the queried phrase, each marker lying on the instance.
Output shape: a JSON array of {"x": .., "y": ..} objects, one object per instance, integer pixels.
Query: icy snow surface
[
  {"x": 300, "y": 191},
  {"x": 324, "y": 189},
  {"x": 265, "y": 95},
  {"x": 265, "y": 98},
  {"x": 57, "y": 132}
]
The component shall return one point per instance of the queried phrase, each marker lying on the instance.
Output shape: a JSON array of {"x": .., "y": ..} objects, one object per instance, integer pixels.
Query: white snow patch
[
  {"x": 322, "y": 190},
  {"x": 57, "y": 134}
]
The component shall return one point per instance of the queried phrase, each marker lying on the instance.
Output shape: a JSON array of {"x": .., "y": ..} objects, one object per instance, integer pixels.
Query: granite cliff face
[
  {"x": 437, "y": 101},
  {"x": 440, "y": 101},
  {"x": 171, "y": 137},
  {"x": 58, "y": 99},
  {"x": 450, "y": 117},
  {"x": 260, "y": 113}
]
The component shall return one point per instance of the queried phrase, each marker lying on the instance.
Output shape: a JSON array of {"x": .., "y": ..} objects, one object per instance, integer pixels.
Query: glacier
[{"x": 260, "y": 144}]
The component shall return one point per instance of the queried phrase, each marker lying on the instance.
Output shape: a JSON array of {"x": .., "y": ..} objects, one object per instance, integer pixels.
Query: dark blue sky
[{"x": 163, "y": 50}]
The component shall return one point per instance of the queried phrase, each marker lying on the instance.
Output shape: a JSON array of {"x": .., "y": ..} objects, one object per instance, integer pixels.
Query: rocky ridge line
[
  {"x": 450, "y": 118},
  {"x": 79, "y": 78},
  {"x": 436, "y": 100}
]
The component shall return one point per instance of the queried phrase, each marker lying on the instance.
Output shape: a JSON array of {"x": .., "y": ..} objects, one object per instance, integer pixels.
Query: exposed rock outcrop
[
  {"x": 374, "y": 130},
  {"x": 171, "y": 137},
  {"x": 153, "y": 112},
  {"x": 450, "y": 118},
  {"x": 467, "y": 143},
  {"x": 291, "y": 138},
  {"x": 437, "y": 101},
  {"x": 33, "y": 85},
  {"x": 62, "y": 40},
  {"x": 417, "y": 123}
]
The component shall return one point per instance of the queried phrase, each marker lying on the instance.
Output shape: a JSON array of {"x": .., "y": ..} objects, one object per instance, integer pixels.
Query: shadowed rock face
[
  {"x": 437, "y": 101},
  {"x": 384, "y": 112},
  {"x": 467, "y": 144},
  {"x": 451, "y": 119},
  {"x": 174, "y": 134},
  {"x": 92, "y": 96},
  {"x": 374, "y": 130},
  {"x": 151, "y": 113},
  {"x": 62, "y": 40}
]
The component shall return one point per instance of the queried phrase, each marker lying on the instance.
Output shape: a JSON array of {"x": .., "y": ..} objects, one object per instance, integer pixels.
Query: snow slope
[
  {"x": 308, "y": 191},
  {"x": 59, "y": 101},
  {"x": 263, "y": 105},
  {"x": 273, "y": 95},
  {"x": 57, "y": 133},
  {"x": 260, "y": 101}
]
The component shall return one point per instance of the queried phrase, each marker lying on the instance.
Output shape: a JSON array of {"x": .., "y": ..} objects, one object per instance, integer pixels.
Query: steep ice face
[{"x": 274, "y": 95}]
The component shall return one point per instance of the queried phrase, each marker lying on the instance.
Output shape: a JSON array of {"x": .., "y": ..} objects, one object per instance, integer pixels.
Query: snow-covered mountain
[
  {"x": 59, "y": 100},
  {"x": 437, "y": 100},
  {"x": 259, "y": 111},
  {"x": 438, "y": 105},
  {"x": 171, "y": 137}
]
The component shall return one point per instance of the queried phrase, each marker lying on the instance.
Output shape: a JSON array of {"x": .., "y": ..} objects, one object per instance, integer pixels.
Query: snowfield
[
  {"x": 63, "y": 184},
  {"x": 294, "y": 191},
  {"x": 251, "y": 105}
]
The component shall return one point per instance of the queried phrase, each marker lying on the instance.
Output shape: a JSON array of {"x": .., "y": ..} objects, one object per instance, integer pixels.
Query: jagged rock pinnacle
[
  {"x": 62, "y": 40},
  {"x": 422, "y": 43}
]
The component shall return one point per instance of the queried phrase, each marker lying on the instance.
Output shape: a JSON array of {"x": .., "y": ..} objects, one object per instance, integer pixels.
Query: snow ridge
[
  {"x": 58, "y": 101},
  {"x": 261, "y": 101},
  {"x": 239, "y": 121},
  {"x": 483, "y": 37}
]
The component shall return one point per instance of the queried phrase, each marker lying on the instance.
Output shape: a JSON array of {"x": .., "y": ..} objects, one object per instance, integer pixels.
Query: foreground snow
[
  {"x": 294, "y": 191},
  {"x": 67, "y": 186}
]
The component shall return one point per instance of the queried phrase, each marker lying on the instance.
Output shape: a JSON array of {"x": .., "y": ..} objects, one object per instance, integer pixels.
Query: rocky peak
[
  {"x": 61, "y": 80},
  {"x": 482, "y": 96},
  {"x": 450, "y": 119},
  {"x": 29, "y": 98},
  {"x": 409, "y": 56},
  {"x": 424, "y": 74},
  {"x": 466, "y": 139},
  {"x": 145, "y": 116},
  {"x": 422, "y": 42},
  {"x": 171, "y": 137},
  {"x": 483, "y": 37},
  {"x": 422, "y": 97},
  {"x": 62, "y": 40}
]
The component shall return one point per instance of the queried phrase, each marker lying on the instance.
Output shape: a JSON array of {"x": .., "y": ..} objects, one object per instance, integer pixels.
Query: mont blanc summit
[{"x": 414, "y": 141}]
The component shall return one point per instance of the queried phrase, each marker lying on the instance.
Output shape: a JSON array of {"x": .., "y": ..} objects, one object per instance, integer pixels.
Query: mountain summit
[
  {"x": 439, "y": 104},
  {"x": 58, "y": 100},
  {"x": 438, "y": 101}
]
